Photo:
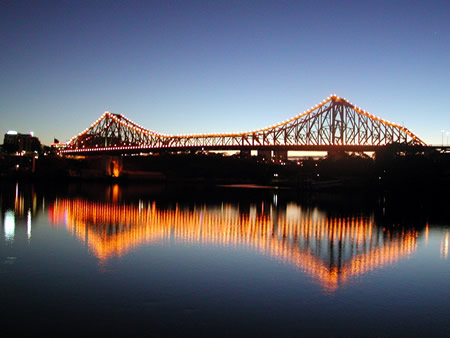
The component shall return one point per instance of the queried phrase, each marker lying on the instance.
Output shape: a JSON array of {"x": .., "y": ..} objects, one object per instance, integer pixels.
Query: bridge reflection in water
[{"x": 329, "y": 249}]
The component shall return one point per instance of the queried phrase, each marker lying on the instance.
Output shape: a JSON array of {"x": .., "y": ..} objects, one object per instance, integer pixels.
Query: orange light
[
  {"x": 132, "y": 125},
  {"x": 89, "y": 220}
]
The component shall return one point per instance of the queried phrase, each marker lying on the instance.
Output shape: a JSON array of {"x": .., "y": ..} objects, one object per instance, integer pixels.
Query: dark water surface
[{"x": 111, "y": 260}]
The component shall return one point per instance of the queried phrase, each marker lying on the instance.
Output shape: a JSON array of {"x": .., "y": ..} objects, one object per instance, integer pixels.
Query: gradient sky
[{"x": 220, "y": 66}]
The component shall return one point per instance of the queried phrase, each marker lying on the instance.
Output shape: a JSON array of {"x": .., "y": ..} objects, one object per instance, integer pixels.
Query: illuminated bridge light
[{"x": 281, "y": 134}]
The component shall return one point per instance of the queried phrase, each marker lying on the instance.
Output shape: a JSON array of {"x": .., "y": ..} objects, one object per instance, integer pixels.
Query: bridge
[{"x": 333, "y": 124}]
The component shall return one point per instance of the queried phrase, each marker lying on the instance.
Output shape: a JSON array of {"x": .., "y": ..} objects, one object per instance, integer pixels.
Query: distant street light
[{"x": 442, "y": 132}]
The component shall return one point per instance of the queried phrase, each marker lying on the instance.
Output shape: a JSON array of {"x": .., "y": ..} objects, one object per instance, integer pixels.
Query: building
[{"x": 15, "y": 142}]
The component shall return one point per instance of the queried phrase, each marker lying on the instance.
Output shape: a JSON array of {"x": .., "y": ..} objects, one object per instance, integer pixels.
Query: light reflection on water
[
  {"x": 329, "y": 249},
  {"x": 266, "y": 262},
  {"x": 444, "y": 246},
  {"x": 9, "y": 225}
]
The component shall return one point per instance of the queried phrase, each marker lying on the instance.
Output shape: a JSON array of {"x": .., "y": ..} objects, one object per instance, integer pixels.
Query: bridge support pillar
[
  {"x": 336, "y": 155},
  {"x": 266, "y": 155},
  {"x": 114, "y": 165},
  {"x": 245, "y": 153},
  {"x": 281, "y": 155}
]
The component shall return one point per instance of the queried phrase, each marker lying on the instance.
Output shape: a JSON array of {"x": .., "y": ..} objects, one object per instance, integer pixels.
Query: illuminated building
[{"x": 16, "y": 142}]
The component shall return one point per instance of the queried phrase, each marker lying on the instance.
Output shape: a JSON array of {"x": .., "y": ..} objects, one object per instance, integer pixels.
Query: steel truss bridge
[{"x": 333, "y": 124}]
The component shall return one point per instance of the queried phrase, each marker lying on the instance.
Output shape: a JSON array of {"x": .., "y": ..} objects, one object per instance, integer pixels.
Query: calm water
[{"x": 103, "y": 260}]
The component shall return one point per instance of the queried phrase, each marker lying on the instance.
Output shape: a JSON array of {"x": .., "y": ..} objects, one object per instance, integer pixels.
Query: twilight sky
[{"x": 220, "y": 66}]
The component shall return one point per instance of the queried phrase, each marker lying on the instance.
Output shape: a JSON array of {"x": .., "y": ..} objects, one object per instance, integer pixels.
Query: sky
[{"x": 180, "y": 67}]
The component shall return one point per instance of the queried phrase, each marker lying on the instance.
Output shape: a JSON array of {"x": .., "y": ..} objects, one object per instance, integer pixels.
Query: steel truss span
[{"x": 333, "y": 124}]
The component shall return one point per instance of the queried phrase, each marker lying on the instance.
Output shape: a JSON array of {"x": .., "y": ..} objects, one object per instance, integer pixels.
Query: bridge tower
[{"x": 338, "y": 124}]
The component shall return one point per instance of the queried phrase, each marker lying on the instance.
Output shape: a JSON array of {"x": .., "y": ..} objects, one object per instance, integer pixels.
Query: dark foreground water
[{"x": 110, "y": 260}]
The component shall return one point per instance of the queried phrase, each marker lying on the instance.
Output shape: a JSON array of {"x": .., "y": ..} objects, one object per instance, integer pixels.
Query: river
[{"x": 91, "y": 259}]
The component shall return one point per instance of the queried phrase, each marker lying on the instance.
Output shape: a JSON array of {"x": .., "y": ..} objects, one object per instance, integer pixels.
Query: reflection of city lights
[
  {"x": 444, "y": 247},
  {"x": 19, "y": 203},
  {"x": 29, "y": 224},
  {"x": 9, "y": 225}
]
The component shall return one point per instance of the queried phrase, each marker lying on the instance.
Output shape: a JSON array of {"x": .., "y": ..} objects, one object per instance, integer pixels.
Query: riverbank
[{"x": 386, "y": 173}]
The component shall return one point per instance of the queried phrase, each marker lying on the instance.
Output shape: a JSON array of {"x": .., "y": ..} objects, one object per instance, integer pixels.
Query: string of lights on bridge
[{"x": 138, "y": 128}]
